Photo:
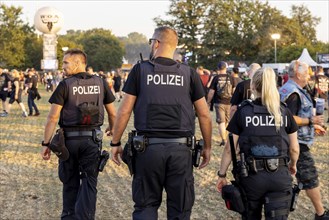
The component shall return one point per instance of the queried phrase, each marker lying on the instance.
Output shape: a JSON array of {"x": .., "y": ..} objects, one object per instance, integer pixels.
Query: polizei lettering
[
  {"x": 166, "y": 79},
  {"x": 86, "y": 90},
  {"x": 264, "y": 121}
]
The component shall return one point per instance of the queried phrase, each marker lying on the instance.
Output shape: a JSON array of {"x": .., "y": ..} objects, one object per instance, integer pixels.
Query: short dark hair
[
  {"x": 78, "y": 52},
  {"x": 235, "y": 69}
]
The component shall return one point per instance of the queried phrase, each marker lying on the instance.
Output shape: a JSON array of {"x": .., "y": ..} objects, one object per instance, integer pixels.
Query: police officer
[
  {"x": 162, "y": 94},
  {"x": 267, "y": 138},
  {"x": 301, "y": 106},
  {"x": 78, "y": 104}
]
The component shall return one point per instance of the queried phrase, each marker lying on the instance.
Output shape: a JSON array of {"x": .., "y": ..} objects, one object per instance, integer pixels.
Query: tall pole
[
  {"x": 274, "y": 50},
  {"x": 275, "y": 37}
]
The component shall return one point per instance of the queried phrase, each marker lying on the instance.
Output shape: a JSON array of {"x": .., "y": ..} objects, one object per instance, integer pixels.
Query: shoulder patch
[
  {"x": 245, "y": 102},
  {"x": 284, "y": 91}
]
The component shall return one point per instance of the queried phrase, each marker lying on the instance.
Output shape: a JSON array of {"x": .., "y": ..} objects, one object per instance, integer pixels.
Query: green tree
[
  {"x": 104, "y": 50},
  {"x": 305, "y": 22},
  {"x": 33, "y": 51},
  {"x": 135, "y": 44},
  {"x": 187, "y": 20},
  {"x": 12, "y": 37},
  {"x": 214, "y": 30}
]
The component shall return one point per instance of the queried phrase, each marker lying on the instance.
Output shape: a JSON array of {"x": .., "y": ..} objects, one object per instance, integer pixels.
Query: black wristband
[
  {"x": 45, "y": 144},
  {"x": 115, "y": 145},
  {"x": 310, "y": 121},
  {"x": 221, "y": 175}
]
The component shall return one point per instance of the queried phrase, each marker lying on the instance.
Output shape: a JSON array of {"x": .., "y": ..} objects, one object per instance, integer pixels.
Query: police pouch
[
  {"x": 57, "y": 145},
  {"x": 128, "y": 155},
  {"x": 272, "y": 165},
  {"x": 103, "y": 160},
  {"x": 196, "y": 152},
  {"x": 139, "y": 143},
  {"x": 233, "y": 198},
  {"x": 88, "y": 113},
  {"x": 295, "y": 192},
  {"x": 97, "y": 136}
]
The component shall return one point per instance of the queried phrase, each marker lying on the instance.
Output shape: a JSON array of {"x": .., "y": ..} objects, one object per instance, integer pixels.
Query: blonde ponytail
[{"x": 264, "y": 82}]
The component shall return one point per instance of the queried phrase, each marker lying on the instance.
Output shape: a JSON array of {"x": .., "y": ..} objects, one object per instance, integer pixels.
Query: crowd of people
[
  {"x": 273, "y": 121},
  {"x": 300, "y": 89},
  {"x": 14, "y": 84}
]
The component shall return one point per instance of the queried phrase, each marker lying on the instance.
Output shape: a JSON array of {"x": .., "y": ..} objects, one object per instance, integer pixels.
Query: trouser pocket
[
  {"x": 189, "y": 194},
  {"x": 138, "y": 192},
  {"x": 64, "y": 173}
]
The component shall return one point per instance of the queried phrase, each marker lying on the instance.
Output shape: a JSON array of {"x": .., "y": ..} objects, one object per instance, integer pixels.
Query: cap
[
  {"x": 222, "y": 65},
  {"x": 57, "y": 145}
]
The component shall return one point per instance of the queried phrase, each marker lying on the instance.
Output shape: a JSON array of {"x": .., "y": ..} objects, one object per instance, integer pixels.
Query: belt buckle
[{"x": 271, "y": 165}]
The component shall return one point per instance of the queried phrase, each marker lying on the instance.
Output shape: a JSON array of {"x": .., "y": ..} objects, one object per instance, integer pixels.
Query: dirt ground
[{"x": 30, "y": 188}]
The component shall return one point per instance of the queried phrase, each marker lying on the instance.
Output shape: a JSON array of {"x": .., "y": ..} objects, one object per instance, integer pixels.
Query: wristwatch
[
  {"x": 221, "y": 175},
  {"x": 115, "y": 145},
  {"x": 45, "y": 144},
  {"x": 310, "y": 121}
]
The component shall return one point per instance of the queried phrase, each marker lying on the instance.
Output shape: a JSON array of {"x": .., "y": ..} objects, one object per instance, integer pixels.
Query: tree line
[
  {"x": 213, "y": 30},
  {"x": 209, "y": 31}
]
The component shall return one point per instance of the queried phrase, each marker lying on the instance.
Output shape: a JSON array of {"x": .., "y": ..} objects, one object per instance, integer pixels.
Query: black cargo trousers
[
  {"x": 271, "y": 190},
  {"x": 163, "y": 166},
  {"x": 79, "y": 177}
]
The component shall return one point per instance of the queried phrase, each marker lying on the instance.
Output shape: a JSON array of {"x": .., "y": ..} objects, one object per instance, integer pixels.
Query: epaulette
[
  {"x": 245, "y": 102},
  {"x": 145, "y": 62}
]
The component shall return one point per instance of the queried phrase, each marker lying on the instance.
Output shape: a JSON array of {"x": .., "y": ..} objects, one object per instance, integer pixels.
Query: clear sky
[{"x": 124, "y": 17}]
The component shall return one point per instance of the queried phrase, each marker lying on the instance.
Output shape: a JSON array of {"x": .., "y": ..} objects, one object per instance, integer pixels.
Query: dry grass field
[{"x": 30, "y": 188}]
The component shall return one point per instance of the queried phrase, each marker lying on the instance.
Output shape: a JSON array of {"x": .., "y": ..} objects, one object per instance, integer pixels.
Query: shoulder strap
[{"x": 233, "y": 154}]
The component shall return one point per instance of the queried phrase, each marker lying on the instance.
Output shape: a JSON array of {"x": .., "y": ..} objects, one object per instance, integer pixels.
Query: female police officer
[{"x": 265, "y": 132}]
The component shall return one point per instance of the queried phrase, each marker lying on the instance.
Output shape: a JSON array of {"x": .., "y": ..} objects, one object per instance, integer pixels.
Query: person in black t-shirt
[
  {"x": 117, "y": 86},
  {"x": 264, "y": 131},
  {"x": 242, "y": 90},
  {"x": 16, "y": 93},
  {"x": 163, "y": 94},
  {"x": 222, "y": 81},
  {"x": 77, "y": 104},
  {"x": 235, "y": 77},
  {"x": 5, "y": 85},
  {"x": 32, "y": 92}
]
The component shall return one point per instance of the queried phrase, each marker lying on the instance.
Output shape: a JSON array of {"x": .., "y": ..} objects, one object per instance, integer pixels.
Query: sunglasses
[{"x": 150, "y": 40}]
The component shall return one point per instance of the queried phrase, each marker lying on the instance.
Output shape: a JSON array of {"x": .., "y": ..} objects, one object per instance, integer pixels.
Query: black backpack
[{"x": 224, "y": 88}]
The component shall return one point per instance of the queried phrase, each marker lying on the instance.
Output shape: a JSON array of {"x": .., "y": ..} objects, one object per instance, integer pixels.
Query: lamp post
[{"x": 275, "y": 37}]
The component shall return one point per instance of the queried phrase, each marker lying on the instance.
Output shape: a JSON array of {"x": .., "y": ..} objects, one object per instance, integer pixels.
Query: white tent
[{"x": 306, "y": 58}]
